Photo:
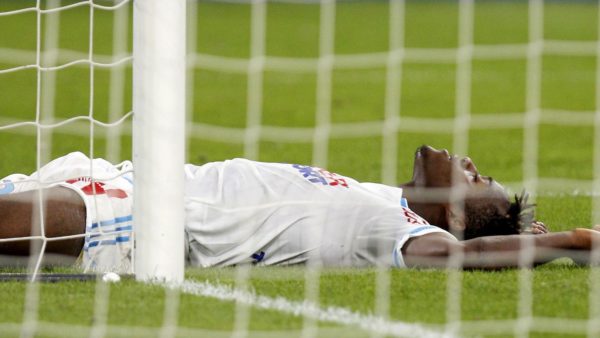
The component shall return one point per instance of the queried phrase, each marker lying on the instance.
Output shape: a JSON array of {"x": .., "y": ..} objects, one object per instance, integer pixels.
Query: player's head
[{"x": 485, "y": 209}]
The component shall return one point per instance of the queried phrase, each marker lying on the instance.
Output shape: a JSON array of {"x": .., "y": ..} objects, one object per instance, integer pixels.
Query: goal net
[{"x": 351, "y": 86}]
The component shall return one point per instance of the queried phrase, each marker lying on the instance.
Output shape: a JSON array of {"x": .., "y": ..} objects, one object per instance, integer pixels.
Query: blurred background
[{"x": 353, "y": 85}]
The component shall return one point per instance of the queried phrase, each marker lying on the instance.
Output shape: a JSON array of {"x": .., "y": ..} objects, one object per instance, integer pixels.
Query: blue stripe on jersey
[
  {"x": 419, "y": 229},
  {"x": 111, "y": 232},
  {"x": 125, "y": 228},
  {"x": 126, "y": 177},
  {"x": 8, "y": 187},
  {"x": 113, "y": 221},
  {"x": 118, "y": 239},
  {"x": 404, "y": 202}
]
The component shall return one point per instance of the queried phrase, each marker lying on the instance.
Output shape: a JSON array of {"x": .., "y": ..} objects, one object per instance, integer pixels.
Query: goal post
[{"x": 159, "y": 67}]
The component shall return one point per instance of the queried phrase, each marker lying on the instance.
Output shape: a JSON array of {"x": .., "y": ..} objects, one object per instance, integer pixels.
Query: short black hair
[{"x": 485, "y": 218}]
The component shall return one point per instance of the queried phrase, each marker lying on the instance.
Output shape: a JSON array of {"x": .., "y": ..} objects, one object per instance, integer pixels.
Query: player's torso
[{"x": 270, "y": 213}]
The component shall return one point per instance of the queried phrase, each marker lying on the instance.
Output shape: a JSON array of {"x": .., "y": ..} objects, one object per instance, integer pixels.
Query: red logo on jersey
[
  {"x": 333, "y": 178},
  {"x": 413, "y": 218},
  {"x": 97, "y": 188}
]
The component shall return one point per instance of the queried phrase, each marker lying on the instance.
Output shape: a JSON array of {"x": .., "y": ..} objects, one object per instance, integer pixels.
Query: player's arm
[
  {"x": 64, "y": 215},
  {"x": 435, "y": 249}
]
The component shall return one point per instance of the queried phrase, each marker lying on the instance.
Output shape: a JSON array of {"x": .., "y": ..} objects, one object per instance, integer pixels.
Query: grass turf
[{"x": 428, "y": 90}]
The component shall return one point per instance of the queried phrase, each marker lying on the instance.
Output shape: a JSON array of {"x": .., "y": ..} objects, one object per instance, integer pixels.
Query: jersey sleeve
[
  {"x": 382, "y": 240},
  {"x": 411, "y": 232}
]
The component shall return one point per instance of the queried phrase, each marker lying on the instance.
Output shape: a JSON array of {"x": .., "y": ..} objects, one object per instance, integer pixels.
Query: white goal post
[{"x": 159, "y": 42}]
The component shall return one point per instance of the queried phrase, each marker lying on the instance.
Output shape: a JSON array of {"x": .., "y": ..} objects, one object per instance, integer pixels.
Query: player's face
[
  {"x": 483, "y": 197},
  {"x": 438, "y": 169}
]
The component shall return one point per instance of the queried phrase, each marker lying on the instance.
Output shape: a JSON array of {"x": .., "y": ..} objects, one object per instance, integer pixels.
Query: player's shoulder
[
  {"x": 72, "y": 156},
  {"x": 392, "y": 194},
  {"x": 73, "y": 159},
  {"x": 242, "y": 163},
  {"x": 199, "y": 170}
]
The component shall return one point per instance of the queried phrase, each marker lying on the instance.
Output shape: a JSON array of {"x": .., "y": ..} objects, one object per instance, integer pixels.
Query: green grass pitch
[{"x": 560, "y": 289}]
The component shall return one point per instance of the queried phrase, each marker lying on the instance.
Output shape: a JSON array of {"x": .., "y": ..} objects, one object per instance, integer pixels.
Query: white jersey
[{"x": 241, "y": 212}]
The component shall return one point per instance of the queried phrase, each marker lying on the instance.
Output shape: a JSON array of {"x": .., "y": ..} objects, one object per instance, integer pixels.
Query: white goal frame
[{"x": 159, "y": 40}]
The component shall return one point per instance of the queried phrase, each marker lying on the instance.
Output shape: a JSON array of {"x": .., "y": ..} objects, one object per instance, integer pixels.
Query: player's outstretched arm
[
  {"x": 64, "y": 215},
  {"x": 435, "y": 250}
]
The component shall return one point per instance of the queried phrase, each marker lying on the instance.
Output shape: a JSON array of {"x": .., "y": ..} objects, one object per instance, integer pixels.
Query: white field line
[{"x": 334, "y": 314}]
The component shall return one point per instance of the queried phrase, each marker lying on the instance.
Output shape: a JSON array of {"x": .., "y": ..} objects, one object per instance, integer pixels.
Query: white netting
[{"x": 48, "y": 58}]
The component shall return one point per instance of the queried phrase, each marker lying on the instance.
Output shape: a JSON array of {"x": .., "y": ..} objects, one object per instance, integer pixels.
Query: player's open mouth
[
  {"x": 425, "y": 150},
  {"x": 422, "y": 150}
]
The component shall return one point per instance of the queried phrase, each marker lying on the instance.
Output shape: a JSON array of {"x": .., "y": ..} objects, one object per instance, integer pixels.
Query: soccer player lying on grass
[{"x": 246, "y": 212}]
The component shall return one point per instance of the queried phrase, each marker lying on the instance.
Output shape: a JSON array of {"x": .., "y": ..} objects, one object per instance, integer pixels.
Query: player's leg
[{"x": 64, "y": 215}]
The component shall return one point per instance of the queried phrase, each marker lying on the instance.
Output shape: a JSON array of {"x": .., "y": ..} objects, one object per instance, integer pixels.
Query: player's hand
[{"x": 537, "y": 228}]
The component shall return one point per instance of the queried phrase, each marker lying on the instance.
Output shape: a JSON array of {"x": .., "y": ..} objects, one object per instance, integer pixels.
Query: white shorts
[{"x": 108, "y": 201}]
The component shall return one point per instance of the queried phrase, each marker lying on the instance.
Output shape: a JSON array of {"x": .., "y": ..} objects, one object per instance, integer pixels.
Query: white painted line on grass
[{"x": 334, "y": 314}]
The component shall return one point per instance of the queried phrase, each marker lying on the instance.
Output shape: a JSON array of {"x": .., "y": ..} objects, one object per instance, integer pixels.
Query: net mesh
[{"x": 271, "y": 79}]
